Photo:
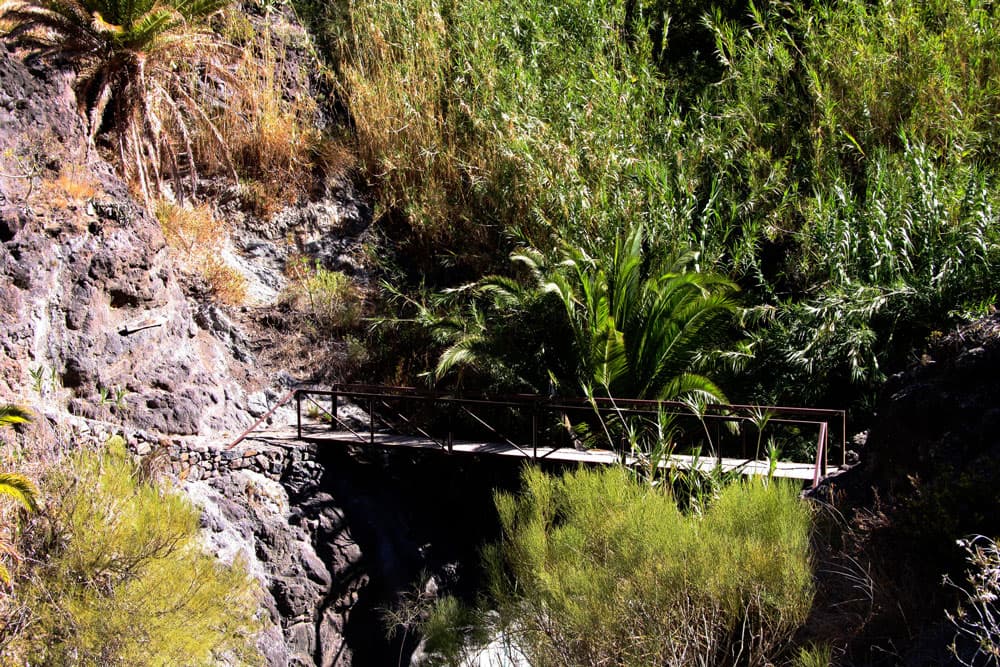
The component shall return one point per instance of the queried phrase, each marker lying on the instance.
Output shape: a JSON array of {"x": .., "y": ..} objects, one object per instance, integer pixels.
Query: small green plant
[
  {"x": 114, "y": 396},
  {"x": 37, "y": 379},
  {"x": 773, "y": 457},
  {"x": 355, "y": 353},
  {"x": 759, "y": 417},
  {"x": 121, "y": 393},
  {"x": 29, "y": 166},
  {"x": 328, "y": 297},
  {"x": 117, "y": 575},
  {"x": 815, "y": 655},
  {"x": 315, "y": 412}
]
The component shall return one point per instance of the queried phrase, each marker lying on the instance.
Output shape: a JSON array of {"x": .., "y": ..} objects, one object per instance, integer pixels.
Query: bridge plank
[{"x": 323, "y": 434}]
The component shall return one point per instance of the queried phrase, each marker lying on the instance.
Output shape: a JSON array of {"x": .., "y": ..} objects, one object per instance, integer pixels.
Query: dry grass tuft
[
  {"x": 270, "y": 127},
  {"x": 72, "y": 187},
  {"x": 198, "y": 236}
]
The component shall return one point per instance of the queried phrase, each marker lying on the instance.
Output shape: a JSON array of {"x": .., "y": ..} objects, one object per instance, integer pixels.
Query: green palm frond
[
  {"x": 20, "y": 489},
  {"x": 13, "y": 414},
  {"x": 132, "y": 61}
]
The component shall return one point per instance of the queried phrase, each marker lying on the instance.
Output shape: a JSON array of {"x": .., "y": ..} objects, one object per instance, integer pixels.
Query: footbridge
[{"x": 781, "y": 441}]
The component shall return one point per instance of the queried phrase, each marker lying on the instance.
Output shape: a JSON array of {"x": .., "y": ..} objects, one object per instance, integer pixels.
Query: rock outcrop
[
  {"x": 927, "y": 478},
  {"x": 94, "y": 318},
  {"x": 99, "y": 335}
]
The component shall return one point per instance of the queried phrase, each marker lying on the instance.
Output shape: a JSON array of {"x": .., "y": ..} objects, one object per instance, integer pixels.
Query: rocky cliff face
[
  {"x": 99, "y": 335},
  {"x": 95, "y": 321},
  {"x": 927, "y": 478}
]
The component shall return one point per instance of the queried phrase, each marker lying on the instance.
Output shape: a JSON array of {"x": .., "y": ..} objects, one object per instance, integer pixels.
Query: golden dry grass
[
  {"x": 73, "y": 186},
  {"x": 194, "y": 232},
  {"x": 269, "y": 126}
]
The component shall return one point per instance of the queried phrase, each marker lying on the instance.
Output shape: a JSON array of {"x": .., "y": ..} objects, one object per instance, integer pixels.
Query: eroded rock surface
[{"x": 100, "y": 336}]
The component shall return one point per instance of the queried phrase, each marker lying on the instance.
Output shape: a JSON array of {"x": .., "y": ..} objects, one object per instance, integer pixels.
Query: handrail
[
  {"x": 284, "y": 399},
  {"x": 820, "y": 417}
]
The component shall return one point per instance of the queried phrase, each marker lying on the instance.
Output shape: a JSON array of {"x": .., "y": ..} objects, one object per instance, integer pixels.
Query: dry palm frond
[{"x": 138, "y": 65}]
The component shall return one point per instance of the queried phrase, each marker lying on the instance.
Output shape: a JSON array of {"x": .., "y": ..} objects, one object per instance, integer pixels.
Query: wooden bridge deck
[{"x": 323, "y": 434}]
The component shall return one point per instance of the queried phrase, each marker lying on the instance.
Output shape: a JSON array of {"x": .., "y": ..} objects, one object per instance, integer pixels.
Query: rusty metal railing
[{"x": 527, "y": 422}]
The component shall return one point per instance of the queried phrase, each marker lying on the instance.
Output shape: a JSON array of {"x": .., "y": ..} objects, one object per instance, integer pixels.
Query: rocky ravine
[{"x": 98, "y": 336}]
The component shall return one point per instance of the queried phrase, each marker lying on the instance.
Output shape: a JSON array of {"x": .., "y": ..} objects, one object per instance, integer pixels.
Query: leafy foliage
[
  {"x": 596, "y": 569},
  {"x": 627, "y": 323},
  {"x": 330, "y": 298},
  {"x": 15, "y": 486},
  {"x": 117, "y": 576},
  {"x": 837, "y": 161}
]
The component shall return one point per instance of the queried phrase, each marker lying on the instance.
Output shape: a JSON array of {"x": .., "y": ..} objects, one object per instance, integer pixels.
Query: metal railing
[{"x": 537, "y": 426}]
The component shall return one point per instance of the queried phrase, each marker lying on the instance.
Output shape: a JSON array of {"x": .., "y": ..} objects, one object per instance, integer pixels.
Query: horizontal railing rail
[{"x": 518, "y": 421}]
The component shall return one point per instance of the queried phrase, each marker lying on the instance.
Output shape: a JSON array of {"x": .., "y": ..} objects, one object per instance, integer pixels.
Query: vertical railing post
[
  {"x": 820, "y": 470},
  {"x": 826, "y": 446},
  {"x": 298, "y": 414},
  {"x": 333, "y": 411},
  {"x": 371, "y": 419},
  {"x": 451, "y": 426},
  {"x": 534, "y": 429},
  {"x": 718, "y": 445},
  {"x": 843, "y": 439}
]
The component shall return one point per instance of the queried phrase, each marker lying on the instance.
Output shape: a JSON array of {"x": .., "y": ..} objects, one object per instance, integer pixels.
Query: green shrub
[
  {"x": 328, "y": 297},
  {"x": 596, "y": 569},
  {"x": 117, "y": 576}
]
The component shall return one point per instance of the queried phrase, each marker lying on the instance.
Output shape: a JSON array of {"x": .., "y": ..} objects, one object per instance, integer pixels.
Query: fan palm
[
  {"x": 139, "y": 65},
  {"x": 640, "y": 322},
  {"x": 630, "y": 324},
  {"x": 13, "y": 485}
]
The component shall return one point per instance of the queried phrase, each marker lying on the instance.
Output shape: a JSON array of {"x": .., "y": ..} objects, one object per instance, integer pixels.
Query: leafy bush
[
  {"x": 626, "y": 321},
  {"x": 114, "y": 575},
  {"x": 595, "y": 569}
]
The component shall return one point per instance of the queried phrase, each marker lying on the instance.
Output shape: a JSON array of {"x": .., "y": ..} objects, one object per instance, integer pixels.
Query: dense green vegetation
[
  {"x": 635, "y": 323},
  {"x": 596, "y": 569},
  {"x": 837, "y": 160},
  {"x": 113, "y": 574}
]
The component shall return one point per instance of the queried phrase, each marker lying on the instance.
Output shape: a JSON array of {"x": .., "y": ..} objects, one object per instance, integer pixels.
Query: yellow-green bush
[
  {"x": 328, "y": 297},
  {"x": 114, "y": 575},
  {"x": 596, "y": 569}
]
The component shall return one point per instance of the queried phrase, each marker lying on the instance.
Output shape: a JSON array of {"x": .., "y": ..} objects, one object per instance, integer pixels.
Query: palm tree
[
  {"x": 13, "y": 414},
  {"x": 139, "y": 66},
  {"x": 641, "y": 323},
  {"x": 632, "y": 324},
  {"x": 13, "y": 485}
]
